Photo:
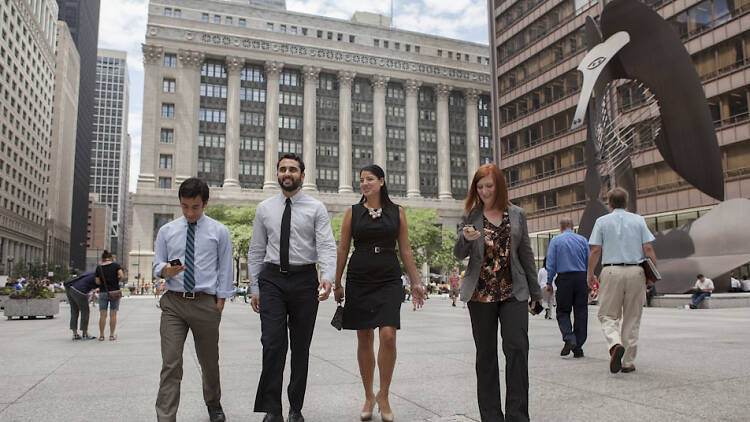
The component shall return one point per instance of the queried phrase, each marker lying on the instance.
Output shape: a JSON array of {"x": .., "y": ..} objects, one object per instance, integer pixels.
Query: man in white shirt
[
  {"x": 735, "y": 285},
  {"x": 745, "y": 283},
  {"x": 291, "y": 233},
  {"x": 703, "y": 288}
]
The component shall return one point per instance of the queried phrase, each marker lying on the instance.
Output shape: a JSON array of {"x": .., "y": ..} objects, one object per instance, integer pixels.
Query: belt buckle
[
  {"x": 188, "y": 295},
  {"x": 377, "y": 249},
  {"x": 282, "y": 271}
]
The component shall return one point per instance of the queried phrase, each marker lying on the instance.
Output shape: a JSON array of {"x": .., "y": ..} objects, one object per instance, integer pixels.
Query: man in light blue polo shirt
[{"x": 623, "y": 241}]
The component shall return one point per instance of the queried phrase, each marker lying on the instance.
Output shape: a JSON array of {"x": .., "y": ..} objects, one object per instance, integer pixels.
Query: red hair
[{"x": 501, "y": 188}]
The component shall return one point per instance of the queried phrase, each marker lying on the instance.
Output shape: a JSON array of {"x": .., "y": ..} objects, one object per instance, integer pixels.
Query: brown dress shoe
[
  {"x": 615, "y": 363},
  {"x": 627, "y": 369}
]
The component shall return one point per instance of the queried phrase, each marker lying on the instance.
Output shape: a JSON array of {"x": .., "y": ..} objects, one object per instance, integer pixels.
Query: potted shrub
[{"x": 32, "y": 301}]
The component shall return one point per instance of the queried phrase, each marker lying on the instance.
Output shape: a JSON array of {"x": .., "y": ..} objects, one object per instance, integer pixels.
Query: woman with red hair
[{"x": 500, "y": 280}]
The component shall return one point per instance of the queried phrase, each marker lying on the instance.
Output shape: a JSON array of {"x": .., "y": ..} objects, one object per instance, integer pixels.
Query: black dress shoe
[
  {"x": 270, "y": 417},
  {"x": 567, "y": 348},
  {"x": 578, "y": 354},
  {"x": 216, "y": 414},
  {"x": 295, "y": 416}
]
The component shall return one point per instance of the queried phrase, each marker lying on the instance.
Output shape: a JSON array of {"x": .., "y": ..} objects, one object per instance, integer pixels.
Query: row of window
[
  {"x": 292, "y": 29},
  {"x": 248, "y": 168},
  {"x": 228, "y": 20}
]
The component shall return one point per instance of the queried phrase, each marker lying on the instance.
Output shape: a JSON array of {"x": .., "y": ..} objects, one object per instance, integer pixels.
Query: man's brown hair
[{"x": 617, "y": 198}]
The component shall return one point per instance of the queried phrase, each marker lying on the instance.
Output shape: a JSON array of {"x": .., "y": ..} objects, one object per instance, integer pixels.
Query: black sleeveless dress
[{"x": 373, "y": 277}]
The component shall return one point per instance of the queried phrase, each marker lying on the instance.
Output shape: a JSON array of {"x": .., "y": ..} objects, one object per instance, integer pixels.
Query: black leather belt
[
  {"x": 375, "y": 249},
  {"x": 621, "y": 265},
  {"x": 188, "y": 295},
  {"x": 291, "y": 269}
]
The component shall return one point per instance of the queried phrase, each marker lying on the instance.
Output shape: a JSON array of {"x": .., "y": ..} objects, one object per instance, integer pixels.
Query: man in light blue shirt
[
  {"x": 568, "y": 257},
  {"x": 194, "y": 254},
  {"x": 623, "y": 241}
]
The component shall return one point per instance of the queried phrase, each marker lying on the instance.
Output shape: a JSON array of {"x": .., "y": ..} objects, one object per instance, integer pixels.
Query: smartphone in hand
[
  {"x": 175, "y": 262},
  {"x": 470, "y": 228}
]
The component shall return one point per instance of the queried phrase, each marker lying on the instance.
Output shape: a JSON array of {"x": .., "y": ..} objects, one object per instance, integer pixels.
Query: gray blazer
[{"x": 522, "y": 265}]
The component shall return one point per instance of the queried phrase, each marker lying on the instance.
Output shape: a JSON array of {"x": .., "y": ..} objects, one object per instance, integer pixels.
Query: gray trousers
[
  {"x": 202, "y": 317},
  {"x": 79, "y": 303}
]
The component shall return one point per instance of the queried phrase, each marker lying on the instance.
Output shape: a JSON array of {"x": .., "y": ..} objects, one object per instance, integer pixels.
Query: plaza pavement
[{"x": 692, "y": 365}]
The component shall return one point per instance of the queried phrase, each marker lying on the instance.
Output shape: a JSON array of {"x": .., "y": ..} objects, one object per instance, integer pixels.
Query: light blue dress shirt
[
  {"x": 310, "y": 237},
  {"x": 621, "y": 235},
  {"x": 567, "y": 252},
  {"x": 213, "y": 255}
]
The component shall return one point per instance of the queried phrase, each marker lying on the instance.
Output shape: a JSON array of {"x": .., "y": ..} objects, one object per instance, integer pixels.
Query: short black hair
[
  {"x": 700, "y": 275},
  {"x": 193, "y": 187},
  {"x": 292, "y": 156}
]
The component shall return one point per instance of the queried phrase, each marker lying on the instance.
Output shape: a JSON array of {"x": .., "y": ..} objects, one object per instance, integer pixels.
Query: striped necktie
[{"x": 190, "y": 258}]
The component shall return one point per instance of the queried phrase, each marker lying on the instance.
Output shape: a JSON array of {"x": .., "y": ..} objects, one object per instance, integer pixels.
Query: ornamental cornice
[
  {"x": 235, "y": 65},
  {"x": 443, "y": 91},
  {"x": 282, "y": 49},
  {"x": 472, "y": 95},
  {"x": 191, "y": 59},
  {"x": 273, "y": 69},
  {"x": 310, "y": 73},
  {"x": 379, "y": 81},
  {"x": 152, "y": 54},
  {"x": 346, "y": 78},
  {"x": 412, "y": 87}
]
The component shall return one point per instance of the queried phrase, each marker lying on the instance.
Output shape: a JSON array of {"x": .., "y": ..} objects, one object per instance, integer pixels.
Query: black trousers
[
  {"x": 573, "y": 295},
  {"x": 288, "y": 306},
  {"x": 514, "y": 329}
]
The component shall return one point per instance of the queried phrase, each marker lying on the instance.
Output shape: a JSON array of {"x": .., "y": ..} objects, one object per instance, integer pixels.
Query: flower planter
[{"x": 32, "y": 308}]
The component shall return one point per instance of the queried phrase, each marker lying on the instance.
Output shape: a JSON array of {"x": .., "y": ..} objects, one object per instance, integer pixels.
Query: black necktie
[{"x": 286, "y": 223}]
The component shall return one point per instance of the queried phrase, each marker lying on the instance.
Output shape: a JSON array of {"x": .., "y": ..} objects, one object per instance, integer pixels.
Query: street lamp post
[
  {"x": 139, "y": 267},
  {"x": 10, "y": 266}
]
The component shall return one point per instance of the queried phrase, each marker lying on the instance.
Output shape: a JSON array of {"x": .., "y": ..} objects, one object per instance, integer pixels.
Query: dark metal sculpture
[{"x": 636, "y": 43}]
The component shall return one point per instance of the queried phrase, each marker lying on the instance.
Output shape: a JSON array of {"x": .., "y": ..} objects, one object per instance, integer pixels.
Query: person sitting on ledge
[
  {"x": 735, "y": 285},
  {"x": 745, "y": 283},
  {"x": 703, "y": 288}
]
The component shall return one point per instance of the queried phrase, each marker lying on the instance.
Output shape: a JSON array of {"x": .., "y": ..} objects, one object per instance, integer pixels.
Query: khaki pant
[
  {"x": 622, "y": 294},
  {"x": 202, "y": 317}
]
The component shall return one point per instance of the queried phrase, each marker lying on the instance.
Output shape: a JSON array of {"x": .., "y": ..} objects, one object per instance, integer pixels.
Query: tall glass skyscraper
[{"x": 110, "y": 142}]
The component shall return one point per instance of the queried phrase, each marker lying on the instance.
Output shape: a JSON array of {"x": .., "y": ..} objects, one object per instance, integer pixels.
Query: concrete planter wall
[
  {"x": 3, "y": 299},
  {"x": 32, "y": 308}
]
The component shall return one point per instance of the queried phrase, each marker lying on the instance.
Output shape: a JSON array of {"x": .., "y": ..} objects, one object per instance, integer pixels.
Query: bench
[{"x": 715, "y": 301}]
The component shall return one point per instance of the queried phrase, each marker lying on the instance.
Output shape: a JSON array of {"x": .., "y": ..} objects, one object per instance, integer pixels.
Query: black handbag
[{"x": 338, "y": 318}]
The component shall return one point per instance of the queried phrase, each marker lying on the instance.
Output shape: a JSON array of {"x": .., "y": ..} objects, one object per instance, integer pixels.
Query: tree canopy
[{"x": 239, "y": 221}]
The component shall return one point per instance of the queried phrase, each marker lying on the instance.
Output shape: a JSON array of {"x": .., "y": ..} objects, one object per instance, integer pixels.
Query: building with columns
[
  {"x": 230, "y": 85},
  {"x": 537, "y": 46}
]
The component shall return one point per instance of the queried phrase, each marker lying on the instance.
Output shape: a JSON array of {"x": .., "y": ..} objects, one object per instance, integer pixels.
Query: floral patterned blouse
[{"x": 495, "y": 282}]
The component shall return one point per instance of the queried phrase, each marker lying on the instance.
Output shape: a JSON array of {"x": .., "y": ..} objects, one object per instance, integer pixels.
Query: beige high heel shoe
[
  {"x": 385, "y": 417},
  {"x": 366, "y": 415}
]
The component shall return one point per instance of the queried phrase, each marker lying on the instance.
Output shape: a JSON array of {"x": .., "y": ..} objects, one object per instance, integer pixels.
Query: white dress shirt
[
  {"x": 310, "y": 236},
  {"x": 213, "y": 255},
  {"x": 706, "y": 284}
]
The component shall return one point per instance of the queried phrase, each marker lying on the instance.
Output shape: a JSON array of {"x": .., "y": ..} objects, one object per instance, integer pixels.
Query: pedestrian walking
[
  {"x": 291, "y": 233},
  {"x": 193, "y": 253},
  {"x": 108, "y": 276},
  {"x": 548, "y": 298},
  {"x": 453, "y": 282},
  {"x": 500, "y": 279},
  {"x": 77, "y": 290},
  {"x": 567, "y": 259},
  {"x": 623, "y": 241},
  {"x": 373, "y": 283}
]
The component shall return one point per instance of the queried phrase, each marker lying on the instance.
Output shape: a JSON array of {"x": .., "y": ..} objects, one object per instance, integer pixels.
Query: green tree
[{"x": 239, "y": 221}]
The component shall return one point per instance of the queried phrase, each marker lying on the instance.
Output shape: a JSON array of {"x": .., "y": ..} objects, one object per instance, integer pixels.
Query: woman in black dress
[{"x": 373, "y": 282}]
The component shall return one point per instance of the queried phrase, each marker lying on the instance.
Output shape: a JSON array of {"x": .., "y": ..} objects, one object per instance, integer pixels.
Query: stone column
[
  {"x": 472, "y": 133},
  {"x": 379, "y": 83},
  {"x": 273, "y": 71},
  {"x": 443, "y": 141},
  {"x": 345, "y": 131},
  {"x": 153, "y": 57},
  {"x": 187, "y": 114},
  {"x": 412, "y": 138},
  {"x": 232, "y": 146},
  {"x": 310, "y": 74}
]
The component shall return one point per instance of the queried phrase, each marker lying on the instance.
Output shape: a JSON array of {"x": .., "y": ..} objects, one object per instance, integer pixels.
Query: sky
[{"x": 122, "y": 26}]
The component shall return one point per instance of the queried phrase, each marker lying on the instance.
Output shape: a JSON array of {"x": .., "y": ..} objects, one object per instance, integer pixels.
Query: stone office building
[{"x": 231, "y": 85}]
